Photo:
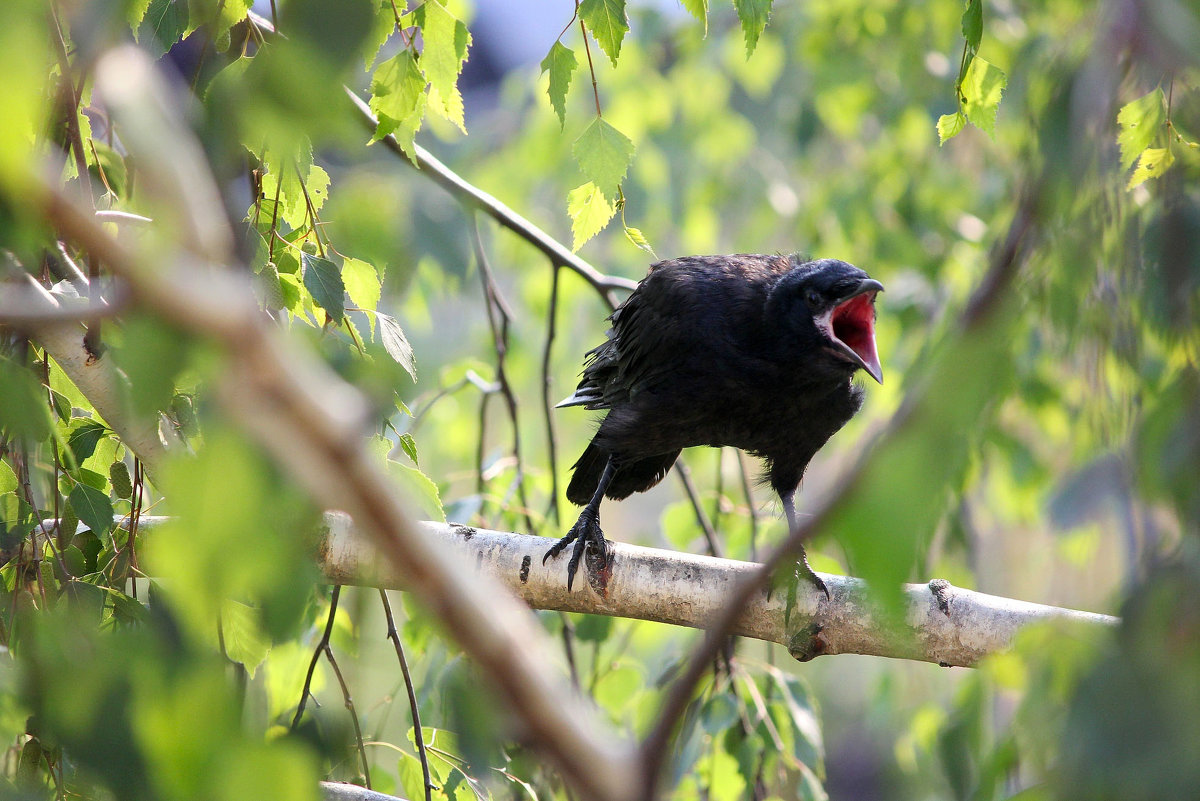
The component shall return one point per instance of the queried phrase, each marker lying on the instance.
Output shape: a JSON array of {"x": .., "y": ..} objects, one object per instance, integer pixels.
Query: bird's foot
[
  {"x": 801, "y": 572},
  {"x": 587, "y": 535}
]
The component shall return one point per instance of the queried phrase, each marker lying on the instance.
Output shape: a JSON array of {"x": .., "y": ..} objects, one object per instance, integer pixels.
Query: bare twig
[
  {"x": 349, "y": 701},
  {"x": 474, "y": 197},
  {"x": 418, "y": 735},
  {"x": 547, "y": 400},
  {"x": 312, "y": 664},
  {"x": 710, "y": 535},
  {"x": 71, "y": 100},
  {"x": 499, "y": 316}
]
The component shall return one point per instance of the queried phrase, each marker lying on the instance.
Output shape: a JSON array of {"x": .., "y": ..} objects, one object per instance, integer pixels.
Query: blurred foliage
[{"x": 1054, "y": 455}]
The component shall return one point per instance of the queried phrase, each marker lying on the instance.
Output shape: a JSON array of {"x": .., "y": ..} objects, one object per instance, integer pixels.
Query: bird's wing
[{"x": 678, "y": 312}]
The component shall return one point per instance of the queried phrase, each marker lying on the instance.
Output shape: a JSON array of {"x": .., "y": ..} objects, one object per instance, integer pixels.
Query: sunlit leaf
[
  {"x": 1153, "y": 162},
  {"x": 396, "y": 343},
  {"x": 397, "y": 92},
  {"x": 446, "y": 42},
  {"x": 699, "y": 10},
  {"x": 362, "y": 283},
  {"x": 1141, "y": 121},
  {"x": 753, "y": 15},
  {"x": 949, "y": 126},
  {"x": 590, "y": 211},
  {"x": 608, "y": 22},
  {"x": 982, "y": 88},
  {"x": 561, "y": 64},
  {"x": 638, "y": 239},
  {"x": 604, "y": 154}
]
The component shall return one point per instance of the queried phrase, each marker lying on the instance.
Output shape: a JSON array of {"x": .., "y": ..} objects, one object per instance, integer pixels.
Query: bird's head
[{"x": 831, "y": 304}]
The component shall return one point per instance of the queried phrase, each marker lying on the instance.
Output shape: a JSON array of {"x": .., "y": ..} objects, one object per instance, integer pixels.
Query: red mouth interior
[{"x": 853, "y": 323}]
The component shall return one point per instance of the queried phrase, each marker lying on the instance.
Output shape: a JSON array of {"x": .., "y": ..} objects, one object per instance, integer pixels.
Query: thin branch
[
  {"x": 349, "y": 701},
  {"x": 499, "y": 316},
  {"x": 92, "y": 339},
  {"x": 710, "y": 535},
  {"x": 473, "y": 197},
  {"x": 418, "y": 735},
  {"x": 547, "y": 400},
  {"x": 312, "y": 664}
]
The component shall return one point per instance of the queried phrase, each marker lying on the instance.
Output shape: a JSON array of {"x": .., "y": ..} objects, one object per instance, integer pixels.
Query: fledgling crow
[{"x": 753, "y": 351}]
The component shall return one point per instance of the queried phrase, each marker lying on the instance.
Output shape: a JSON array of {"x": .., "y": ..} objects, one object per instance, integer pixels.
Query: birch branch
[{"x": 943, "y": 624}]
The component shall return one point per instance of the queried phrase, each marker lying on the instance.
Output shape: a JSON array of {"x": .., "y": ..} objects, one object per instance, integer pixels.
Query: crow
[{"x": 753, "y": 351}]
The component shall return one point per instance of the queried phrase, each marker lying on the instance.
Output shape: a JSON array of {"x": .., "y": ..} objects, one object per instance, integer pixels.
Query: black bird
[{"x": 752, "y": 351}]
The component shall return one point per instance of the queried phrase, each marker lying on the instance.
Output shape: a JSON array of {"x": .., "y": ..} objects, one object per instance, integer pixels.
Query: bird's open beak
[{"x": 851, "y": 326}]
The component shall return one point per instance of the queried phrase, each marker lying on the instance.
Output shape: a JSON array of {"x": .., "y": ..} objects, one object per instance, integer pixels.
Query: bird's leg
[
  {"x": 803, "y": 569},
  {"x": 586, "y": 530}
]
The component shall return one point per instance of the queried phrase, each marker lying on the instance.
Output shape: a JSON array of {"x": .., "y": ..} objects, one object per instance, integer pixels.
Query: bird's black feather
[{"x": 724, "y": 351}]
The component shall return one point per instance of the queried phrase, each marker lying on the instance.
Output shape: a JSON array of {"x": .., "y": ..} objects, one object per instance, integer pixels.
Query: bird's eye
[{"x": 813, "y": 298}]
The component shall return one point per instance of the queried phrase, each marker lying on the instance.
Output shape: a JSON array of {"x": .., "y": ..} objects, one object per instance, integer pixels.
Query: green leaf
[
  {"x": 604, "y": 154},
  {"x": 1152, "y": 163},
  {"x": 412, "y": 777},
  {"x": 135, "y": 10},
  {"x": 93, "y": 507},
  {"x": 295, "y": 195},
  {"x": 23, "y": 409},
  {"x": 8, "y": 479},
  {"x": 982, "y": 87},
  {"x": 161, "y": 26},
  {"x": 972, "y": 25},
  {"x": 753, "y": 15},
  {"x": 699, "y": 10},
  {"x": 608, "y": 22},
  {"x": 396, "y": 343},
  {"x": 589, "y": 210},
  {"x": 362, "y": 283},
  {"x": 118, "y": 474},
  {"x": 420, "y": 489},
  {"x": 1140, "y": 122},
  {"x": 639, "y": 240},
  {"x": 245, "y": 642},
  {"x": 324, "y": 282},
  {"x": 446, "y": 41},
  {"x": 409, "y": 445},
  {"x": 82, "y": 439},
  {"x": 561, "y": 64},
  {"x": 152, "y": 354},
  {"x": 62, "y": 405},
  {"x": 397, "y": 93},
  {"x": 949, "y": 126},
  {"x": 107, "y": 167}
]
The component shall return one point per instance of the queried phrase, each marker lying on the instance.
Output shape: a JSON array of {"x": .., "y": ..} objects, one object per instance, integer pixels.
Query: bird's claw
[
  {"x": 802, "y": 572},
  {"x": 585, "y": 532}
]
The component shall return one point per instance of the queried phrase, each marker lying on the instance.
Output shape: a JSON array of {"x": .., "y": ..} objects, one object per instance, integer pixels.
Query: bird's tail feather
[
  {"x": 586, "y": 474},
  {"x": 641, "y": 475},
  {"x": 631, "y": 477}
]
